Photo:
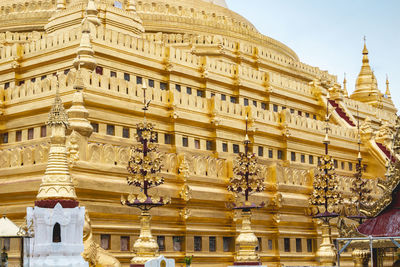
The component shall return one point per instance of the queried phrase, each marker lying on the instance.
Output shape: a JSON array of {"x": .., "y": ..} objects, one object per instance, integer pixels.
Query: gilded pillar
[
  {"x": 246, "y": 241},
  {"x": 146, "y": 247},
  {"x": 326, "y": 253},
  {"x": 361, "y": 257}
]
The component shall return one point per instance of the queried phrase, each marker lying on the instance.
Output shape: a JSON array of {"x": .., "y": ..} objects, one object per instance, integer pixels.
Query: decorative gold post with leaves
[
  {"x": 361, "y": 193},
  {"x": 325, "y": 198},
  {"x": 246, "y": 181},
  {"x": 144, "y": 167}
]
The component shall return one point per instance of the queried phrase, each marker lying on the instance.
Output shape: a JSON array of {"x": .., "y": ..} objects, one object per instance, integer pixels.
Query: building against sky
[
  {"x": 329, "y": 34},
  {"x": 207, "y": 68}
]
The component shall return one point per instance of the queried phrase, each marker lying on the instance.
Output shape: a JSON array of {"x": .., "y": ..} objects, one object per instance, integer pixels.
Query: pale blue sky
[{"x": 329, "y": 34}]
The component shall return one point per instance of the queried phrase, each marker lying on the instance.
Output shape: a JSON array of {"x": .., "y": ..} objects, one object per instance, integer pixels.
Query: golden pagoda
[{"x": 206, "y": 68}]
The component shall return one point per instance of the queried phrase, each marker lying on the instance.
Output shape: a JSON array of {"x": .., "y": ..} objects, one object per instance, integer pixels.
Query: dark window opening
[
  {"x": 110, "y": 129},
  {"x": 258, "y": 247},
  {"x": 254, "y": 103},
  {"x": 350, "y": 166},
  {"x": 209, "y": 145},
  {"x": 236, "y": 148},
  {"x": 30, "y": 133},
  {"x": 139, "y": 80},
  {"x": 275, "y": 108},
  {"x": 260, "y": 151},
  {"x": 263, "y": 106},
  {"x": 303, "y": 158},
  {"x": 291, "y": 111},
  {"x": 311, "y": 159},
  {"x": 298, "y": 245},
  {"x": 6, "y": 85},
  {"x": 292, "y": 156},
  {"x": 197, "y": 143},
  {"x": 125, "y": 243},
  {"x": 167, "y": 139},
  {"x": 151, "y": 83},
  {"x": 161, "y": 243},
  {"x": 270, "y": 244},
  {"x": 212, "y": 243},
  {"x": 43, "y": 131},
  {"x": 66, "y": 71},
  {"x": 18, "y": 136},
  {"x": 280, "y": 154},
  {"x": 57, "y": 233},
  {"x": 223, "y": 97},
  {"x": 105, "y": 241},
  {"x": 201, "y": 93},
  {"x": 185, "y": 141},
  {"x": 299, "y": 113},
  {"x": 177, "y": 243},
  {"x": 197, "y": 243},
  {"x": 245, "y": 102},
  {"x": 307, "y": 115},
  {"x": 228, "y": 243},
  {"x": 189, "y": 90},
  {"x": 309, "y": 245},
  {"x": 286, "y": 244},
  {"x": 163, "y": 86},
  {"x": 125, "y": 132},
  {"x": 233, "y": 100},
  {"x": 335, "y": 163},
  {"x": 95, "y": 127},
  {"x": 127, "y": 77},
  {"x": 270, "y": 153},
  {"x": 178, "y": 87},
  {"x": 4, "y": 138},
  {"x": 99, "y": 70},
  {"x": 224, "y": 147}
]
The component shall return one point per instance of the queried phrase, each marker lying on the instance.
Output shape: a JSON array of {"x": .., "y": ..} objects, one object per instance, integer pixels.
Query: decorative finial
[
  {"x": 246, "y": 138},
  {"x": 365, "y": 50},
  {"x": 78, "y": 83},
  {"x": 85, "y": 58},
  {"x": 146, "y": 103},
  {"x": 345, "y": 92},
  {"x": 387, "y": 93},
  {"x": 57, "y": 113},
  {"x": 57, "y": 183}
]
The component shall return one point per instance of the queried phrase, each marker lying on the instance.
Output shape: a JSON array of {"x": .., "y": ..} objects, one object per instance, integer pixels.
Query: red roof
[{"x": 386, "y": 223}]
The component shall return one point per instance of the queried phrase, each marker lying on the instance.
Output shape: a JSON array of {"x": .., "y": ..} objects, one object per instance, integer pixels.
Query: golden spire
[
  {"x": 365, "y": 50},
  {"x": 366, "y": 84},
  {"x": 85, "y": 58},
  {"x": 345, "y": 92},
  {"x": 387, "y": 93},
  {"x": 57, "y": 113},
  {"x": 57, "y": 183},
  {"x": 78, "y": 114}
]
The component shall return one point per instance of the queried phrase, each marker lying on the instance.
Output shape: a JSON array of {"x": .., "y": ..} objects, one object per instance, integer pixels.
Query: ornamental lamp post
[
  {"x": 325, "y": 198},
  {"x": 246, "y": 181},
  {"x": 144, "y": 167}
]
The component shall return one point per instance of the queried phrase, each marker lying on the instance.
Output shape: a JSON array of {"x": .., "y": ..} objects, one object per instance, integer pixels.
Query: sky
[{"x": 329, "y": 34}]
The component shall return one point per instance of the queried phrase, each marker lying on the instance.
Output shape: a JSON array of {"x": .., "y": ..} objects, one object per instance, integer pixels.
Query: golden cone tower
[{"x": 57, "y": 183}]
